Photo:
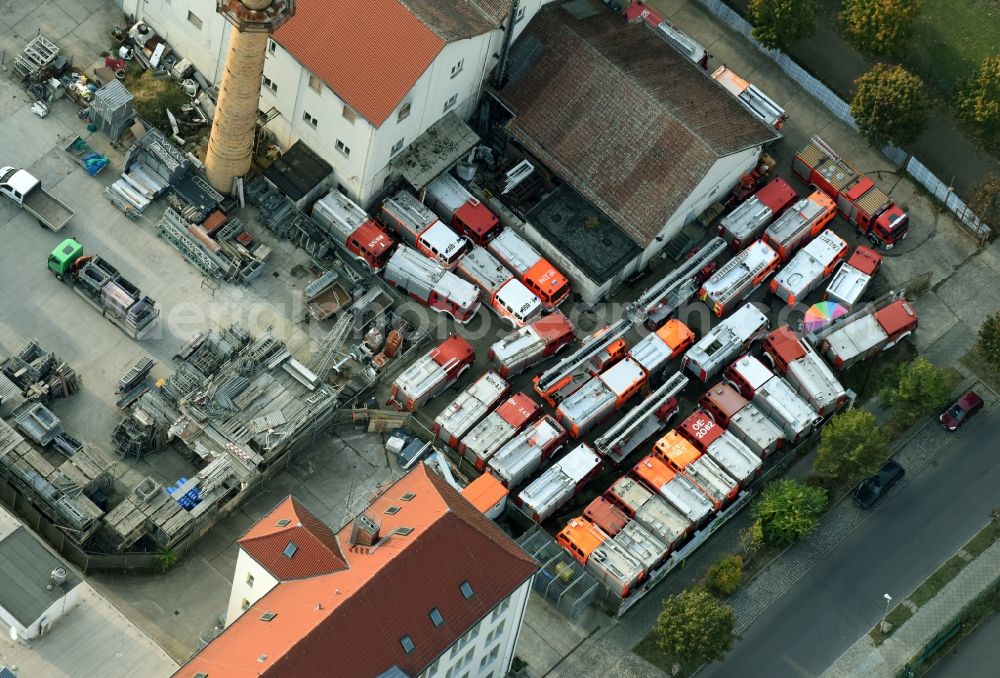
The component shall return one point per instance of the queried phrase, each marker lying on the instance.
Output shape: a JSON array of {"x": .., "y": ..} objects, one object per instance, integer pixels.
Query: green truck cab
[{"x": 62, "y": 258}]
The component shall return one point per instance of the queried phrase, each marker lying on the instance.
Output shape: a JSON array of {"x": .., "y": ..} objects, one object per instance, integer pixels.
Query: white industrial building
[
  {"x": 358, "y": 82},
  {"x": 630, "y": 139},
  {"x": 420, "y": 583}
]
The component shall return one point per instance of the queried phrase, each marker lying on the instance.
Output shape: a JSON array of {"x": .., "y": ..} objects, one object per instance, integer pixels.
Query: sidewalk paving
[{"x": 864, "y": 658}]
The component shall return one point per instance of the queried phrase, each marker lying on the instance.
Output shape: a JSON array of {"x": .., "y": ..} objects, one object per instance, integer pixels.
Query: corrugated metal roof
[{"x": 626, "y": 120}]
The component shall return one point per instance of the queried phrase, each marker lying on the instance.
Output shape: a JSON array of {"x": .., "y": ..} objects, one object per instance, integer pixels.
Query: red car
[{"x": 961, "y": 411}]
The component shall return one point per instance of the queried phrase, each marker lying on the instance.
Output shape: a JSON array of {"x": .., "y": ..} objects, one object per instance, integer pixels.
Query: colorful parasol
[{"x": 822, "y": 314}]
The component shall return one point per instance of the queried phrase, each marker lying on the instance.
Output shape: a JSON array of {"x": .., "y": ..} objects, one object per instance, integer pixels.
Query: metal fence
[
  {"x": 842, "y": 111},
  {"x": 561, "y": 580}
]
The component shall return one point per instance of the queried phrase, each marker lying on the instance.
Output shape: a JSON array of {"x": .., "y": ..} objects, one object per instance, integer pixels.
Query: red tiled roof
[
  {"x": 354, "y": 619},
  {"x": 315, "y": 551},
  {"x": 370, "y": 53}
]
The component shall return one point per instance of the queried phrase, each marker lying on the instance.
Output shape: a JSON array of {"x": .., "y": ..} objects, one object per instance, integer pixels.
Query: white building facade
[
  {"x": 359, "y": 149},
  {"x": 251, "y": 582}
]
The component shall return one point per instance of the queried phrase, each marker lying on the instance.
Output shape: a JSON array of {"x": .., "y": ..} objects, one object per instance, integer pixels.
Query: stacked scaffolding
[
  {"x": 112, "y": 110},
  {"x": 238, "y": 404},
  {"x": 60, "y": 492},
  {"x": 40, "y": 374}
]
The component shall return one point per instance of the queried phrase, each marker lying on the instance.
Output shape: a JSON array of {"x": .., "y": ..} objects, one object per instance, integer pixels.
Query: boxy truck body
[
  {"x": 724, "y": 342},
  {"x": 560, "y": 482},
  {"x": 482, "y": 442},
  {"x": 869, "y": 335},
  {"x": 851, "y": 280},
  {"x": 525, "y": 453},
  {"x": 746, "y": 223},
  {"x": 527, "y": 346},
  {"x": 465, "y": 213},
  {"x": 429, "y": 283},
  {"x": 469, "y": 408},
  {"x": 353, "y": 229},
  {"x": 419, "y": 227},
  {"x": 802, "y": 222},
  {"x": 735, "y": 280},
  {"x": 809, "y": 267},
  {"x": 505, "y": 295},
  {"x": 432, "y": 373},
  {"x": 524, "y": 261},
  {"x": 680, "y": 492},
  {"x": 806, "y": 370}
]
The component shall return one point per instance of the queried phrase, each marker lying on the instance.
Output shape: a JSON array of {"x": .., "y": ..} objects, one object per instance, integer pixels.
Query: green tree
[
  {"x": 694, "y": 626},
  {"x": 890, "y": 105},
  {"x": 921, "y": 387},
  {"x": 752, "y": 540},
  {"x": 986, "y": 200},
  {"x": 788, "y": 511},
  {"x": 779, "y": 24},
  {"x": 879, "y": 26},
  {"x": 979, "y": 98},
  {"x": 851, "y": 446},
  {"x": 989, "y": 339},
  {"x": 725, "y": 575}
]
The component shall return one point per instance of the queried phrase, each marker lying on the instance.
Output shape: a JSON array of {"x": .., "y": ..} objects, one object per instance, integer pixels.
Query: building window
[
  {"x": 272, "y": 46},
  {"x": 245, "y": 604},
  {"x": 193, "y": 18},
  {"x": 407, "y": 644},
  {"x": 396, "y": 148},
  {"x": 315, "y": 83},
  {"x": 270, "y": 84},
  {"x": 249, "y": 580},
  {"x": 490, "y": 658},
  {"x": 313, "y": 122},
  {"x": 519, "y": 15},
  {"x": 404, "y": 112},
  {"x": 350, "y": 114},
  {"x": 435, "y": 615},
  {"x": 466, "y": 589},
  {"x": 500, "y": 609},
  {"x": 343, "y": 148},
  {"x": 451, "y": 102},
  {"x": 457, "y": 68}
]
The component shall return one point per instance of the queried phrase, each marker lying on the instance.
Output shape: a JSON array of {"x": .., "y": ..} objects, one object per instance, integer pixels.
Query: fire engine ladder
[
  {"x": 653, "y": 296},
  {"x": 830, "y": 153},
  {"x": 637, "y": 416},
  {"x": 572, "y": 363}
]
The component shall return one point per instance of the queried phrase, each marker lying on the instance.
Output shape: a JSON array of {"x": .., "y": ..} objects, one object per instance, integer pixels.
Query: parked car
[
  {"x": 961, "y": 411},
  {"x": 868, "y": 493}
]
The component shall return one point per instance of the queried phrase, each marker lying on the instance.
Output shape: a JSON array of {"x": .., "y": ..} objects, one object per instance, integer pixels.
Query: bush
[
  {"x": 695, "y": 626},
  {"x": 851, "y": 447},
  {"x": 979, "y": 98},
  {"x": 779, "y": 24},
  {"x": 752, "y": 540},
  {"x": 879, "y": 26},
  {"x": 788, "y": 511},
  {"x": 725, "y": 575},
  {"x": 890, "y": 106},
  {"x": 989, "y": 339}
]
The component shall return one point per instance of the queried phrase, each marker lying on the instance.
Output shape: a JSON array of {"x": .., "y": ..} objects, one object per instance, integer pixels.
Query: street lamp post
[{"x": 888, "y": 600}]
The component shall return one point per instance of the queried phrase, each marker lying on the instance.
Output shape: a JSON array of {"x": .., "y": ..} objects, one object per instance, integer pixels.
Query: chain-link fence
[
  {"x": 842, "y": 111},
  {"x": 561, "y": 580}
]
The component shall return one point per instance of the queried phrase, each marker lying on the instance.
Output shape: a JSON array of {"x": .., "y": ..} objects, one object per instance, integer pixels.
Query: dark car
[
  {"x": 869, "y": 492},
  {"x": 961, "y": 411}
]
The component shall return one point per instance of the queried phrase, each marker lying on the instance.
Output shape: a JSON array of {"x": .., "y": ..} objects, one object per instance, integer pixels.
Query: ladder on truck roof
[
  {"x": 653, "y": 296},
  {"x": 833, "y": 157},
  {"x": 636, "y": 417},
  {"x": 575, "y": 360}
]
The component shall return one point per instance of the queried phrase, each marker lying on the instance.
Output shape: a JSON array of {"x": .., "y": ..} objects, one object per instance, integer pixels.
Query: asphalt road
[
  {"x": 977, "y": 655},
  {"x": 917, "y": 527}
]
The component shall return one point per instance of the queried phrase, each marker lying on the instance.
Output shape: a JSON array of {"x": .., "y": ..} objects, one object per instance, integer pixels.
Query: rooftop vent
[
  {"x": 364, "y": 531},
  {"x": 268, "y": 616},
  {"x": 291, "y": 549}
]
